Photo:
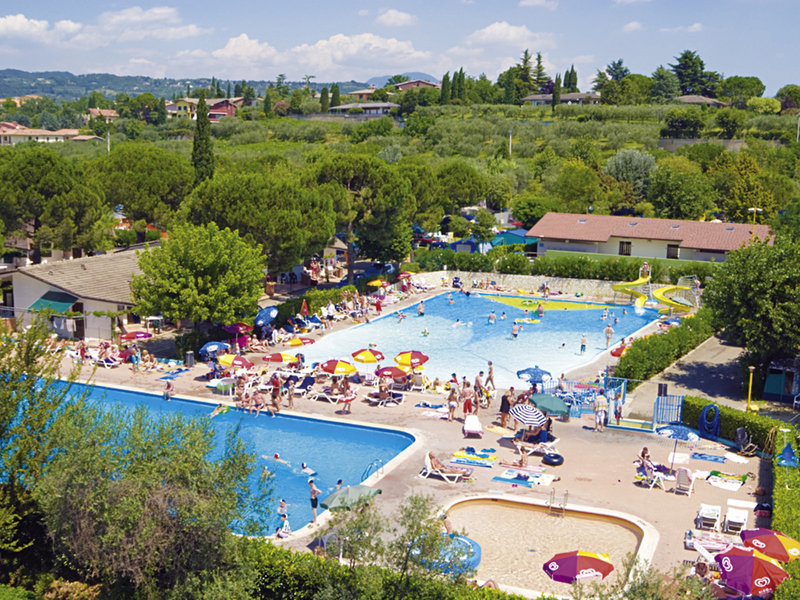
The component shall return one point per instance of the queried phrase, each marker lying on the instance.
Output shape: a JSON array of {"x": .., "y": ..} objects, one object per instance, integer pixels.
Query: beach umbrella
[
  {"x": 772, "y": 543},
  {"x": 368, "y": 355},
  {"x": 280, "y": 357},
  {"x": 570, "y": 567},
  {"x": 299, "y": 341},
  {"x": 337, "y": 367},
  {"x": 749, "y": 571},
  {"x": 528, "y": 415},
  {"x": 266, "y": 315},
  {"x": 405, "y": 275},
  {"x": 534, "y": 375},
  {"x": 393, "y": 372},
  {"x": 213, "y": 347},
  {"x": 412, "y": 358},
  {"x": 239, "y": 328},
  {"x": 376, "y": 283},
  {"x": 348, "y": 497},
  {"x": 136, "y": 335},
  {"x": 304, "y": 308},
  {"x": 552, "y": 405},
  {"x": 234, "y": 361}
]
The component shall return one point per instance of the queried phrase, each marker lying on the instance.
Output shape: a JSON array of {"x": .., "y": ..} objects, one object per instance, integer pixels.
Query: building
[
  {"x": 701, "y": 101},
  {"x": 363, "y": 95},
  {"x": 217, "y": 108},
  {"x": 372, "y": 109},
  {"x": 12, "y": 133},
  {"x": 86, "y": 286},
  {"x": 644, "y": 238},
  {"x": 570, "y": 98},
  {"x": 109, "y": 114},
  {"x": 415, "y": 83}
]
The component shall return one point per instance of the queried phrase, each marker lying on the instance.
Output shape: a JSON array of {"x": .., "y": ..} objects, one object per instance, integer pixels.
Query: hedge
[
  {"x": 786, "y": 481},
  {"x": 315, "y": 299},
  {"x": 650, "y": 355},
  {"x": 286, "y": 575}
]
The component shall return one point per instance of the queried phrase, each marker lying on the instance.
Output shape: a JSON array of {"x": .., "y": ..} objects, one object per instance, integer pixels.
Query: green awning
[{"x": 57, "y": 302}]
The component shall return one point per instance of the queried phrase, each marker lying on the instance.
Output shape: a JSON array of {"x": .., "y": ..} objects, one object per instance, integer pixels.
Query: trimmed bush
[
  {"x": 409, "y": 267},
  {"x": 315, "y": 299},
  {"x": 650, "y": 355}
]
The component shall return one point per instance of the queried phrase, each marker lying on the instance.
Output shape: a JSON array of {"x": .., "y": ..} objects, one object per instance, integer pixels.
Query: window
[
  {"x": 624, "y": 248},
  {"x": 672, "y": 250}
]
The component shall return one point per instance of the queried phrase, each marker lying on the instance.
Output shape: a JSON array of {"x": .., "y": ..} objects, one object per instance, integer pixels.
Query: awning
[{"x": 57, "y": 302}]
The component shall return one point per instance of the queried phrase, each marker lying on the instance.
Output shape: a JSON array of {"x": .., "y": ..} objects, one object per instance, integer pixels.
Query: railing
[
  {"x": 557, "y": 506},
  {"x": 374, "y": 466}
]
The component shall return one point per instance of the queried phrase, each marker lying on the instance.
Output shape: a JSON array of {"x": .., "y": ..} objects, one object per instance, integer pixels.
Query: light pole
[
  {"x": 754, "y": 211},
  {"x": 749, "y": 409}
]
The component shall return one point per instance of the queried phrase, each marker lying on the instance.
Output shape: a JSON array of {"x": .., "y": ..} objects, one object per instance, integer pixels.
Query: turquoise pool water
[
  {"x": 334, "y": 450},
  {"x": 553, "y": 343}
]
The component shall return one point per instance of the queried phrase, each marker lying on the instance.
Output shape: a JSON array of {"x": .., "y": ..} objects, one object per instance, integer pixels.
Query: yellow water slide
[
  {"x": 676, "y": 303},
  {"x": 630, "y": 288}
]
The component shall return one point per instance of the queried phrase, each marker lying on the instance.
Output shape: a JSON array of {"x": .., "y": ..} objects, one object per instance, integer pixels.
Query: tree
[
  {"x": 730, "y": 121},
  {"x": 528, "y": 209},
  {"x": 202, "y": 273},
  {"x": 556, "y": 93},
  {"x": 570, "y": 81},
  {"x": 202, "y": 148},
  {"x": 444, "y": 97},
  {"x": 740, "y": 89},
  {"x": 636, "y": 89},
  {"x": 295, "y": 101},
  {"x": 396, "y": 79},
  {"x": 385, "y": 233},
  {"x": 324, "y": 100},
  {"x": 379, "y": 95},
  {"x": 789, "y": 96},
  {"x": 335, "y": 99},
  {"x": 461, "y": 184},
  {"x": 539, "y": 77},
  {"x": 694, "y": 79},
  {"x": 616, "y": 70},
  {"x": 678, "y": 194},
  {"x": 580, "y": 187},
  {"x": 666, "y": 86},
  {"x": 148, "y": 182},
  {"x": 147, "y": 525},
  {"x": 483, "y": 226},
  {"x": 289, "y": 220},
  {"x": 753, "y": 296},
  {"x": 764, "y": 106},
  {"x": 683, "y": 123},
  {"x": 634, "y": 167},
  {"x": 268, "y": 105},
  {"x": 745, "y": 191}
]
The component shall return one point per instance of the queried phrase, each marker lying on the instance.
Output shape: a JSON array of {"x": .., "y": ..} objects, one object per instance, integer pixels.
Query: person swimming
[
  {"x": 503, "y": 316},
  {"x": 458, "y": 323},
  {"x": 425, "y": 332},
  {"x": 276, "y": 457},
  {"x": 307, "y": 470}
]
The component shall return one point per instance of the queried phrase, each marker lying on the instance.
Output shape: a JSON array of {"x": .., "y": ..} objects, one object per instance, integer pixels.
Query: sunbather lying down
[{"x": 437, "y": 464}]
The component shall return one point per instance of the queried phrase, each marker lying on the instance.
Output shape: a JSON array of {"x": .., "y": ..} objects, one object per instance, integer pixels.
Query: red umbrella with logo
[
  {"x": 135, "y": 335},
  {"x": 570, "y": 567},
  {"x": 772, "y": 543},
  {"x": 337, "y": 367},
  {"x": 749, "y": 571},
  {"x": 393, "y": 372},
  {"x": 412, "y": 358},
  {"x": 368, "y": 355}
]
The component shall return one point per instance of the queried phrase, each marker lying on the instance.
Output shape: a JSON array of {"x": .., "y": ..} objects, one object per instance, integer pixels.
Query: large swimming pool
[
  {"x": 465, "y": 346},
  {"x": 334, "y": 450}
]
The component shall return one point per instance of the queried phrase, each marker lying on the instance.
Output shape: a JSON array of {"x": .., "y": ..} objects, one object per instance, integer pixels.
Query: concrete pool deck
[{"x": 598, "y": 470}]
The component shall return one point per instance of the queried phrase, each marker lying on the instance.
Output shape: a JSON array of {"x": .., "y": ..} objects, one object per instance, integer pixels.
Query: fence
[{"x": 668, "y": 409}]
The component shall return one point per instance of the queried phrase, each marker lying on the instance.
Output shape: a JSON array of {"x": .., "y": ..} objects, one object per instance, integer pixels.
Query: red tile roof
[{"x": 705, "y": 235}]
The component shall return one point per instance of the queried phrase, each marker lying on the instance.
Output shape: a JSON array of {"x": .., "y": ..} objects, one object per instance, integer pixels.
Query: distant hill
[
  {"x": 63, "y": 85},
  {"x": 380, "y": 81}
]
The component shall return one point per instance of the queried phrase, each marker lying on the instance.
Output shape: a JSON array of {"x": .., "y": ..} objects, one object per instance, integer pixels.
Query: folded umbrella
[{"x": 348, "y": 497}]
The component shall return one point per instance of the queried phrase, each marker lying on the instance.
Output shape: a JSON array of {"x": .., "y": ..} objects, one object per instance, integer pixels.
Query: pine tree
[
  {"x": 540, "y": 77},
  {"x": 444, "y": 97},
  {"x": 212, "y": 89},
  {"x": 335, "y": 100},
  {"x": 324, "y": 101},
  {"x": 202, "y": 150},
  {"x": 188, "y": 89},
  {"x": 267, "y": 104},
  {"x": 570, "y": 83},
  {"x": 556, "y": 92},
  {"x": 228, "y": 91}
]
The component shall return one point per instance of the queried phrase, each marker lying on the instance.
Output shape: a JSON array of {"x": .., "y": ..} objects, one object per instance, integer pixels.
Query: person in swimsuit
[
  {"x": 490, "y": 377},
  {"x": 315, "y": 492}
]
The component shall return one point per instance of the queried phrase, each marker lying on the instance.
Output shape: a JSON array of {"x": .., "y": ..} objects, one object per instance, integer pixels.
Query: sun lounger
[
  {"x": 735, "y": 520},
  {"x": 684, "y": 481},
  {"x": 708, "y": 517},
  {"x": 538, "y": 449},
  {"x": 325, "y": 394},
  {"x": 428, "y": 470},
  {"x": 418, "y": 383},
  {"x": 304, "y": 386},
  {"x": 394, "y": 398},
  {"x": 472, "y": 426}
]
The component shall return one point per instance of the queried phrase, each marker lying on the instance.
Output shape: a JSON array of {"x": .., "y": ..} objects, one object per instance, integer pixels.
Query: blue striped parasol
[{"x": 528, "y": 415}]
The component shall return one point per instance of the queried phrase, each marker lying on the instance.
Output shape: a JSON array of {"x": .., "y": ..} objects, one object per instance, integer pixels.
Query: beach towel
[
  {"x": 474, "y": 455},
  {"x": 708, "y": 457},
  {"x": 432, "y": 414},
  {"x": 173, "y": 374},
  {"x": 501, "y": 431},
  {"x": 524, "y": 479},
  {"x": 678, "y": 458},
  {"x": 528, "y": 469},
  {"x": 736, "y": 458},
  {"x": 428, "y": 405},
  {"x": 460, "y": 460},
  {"x": 726, "y": 481}
]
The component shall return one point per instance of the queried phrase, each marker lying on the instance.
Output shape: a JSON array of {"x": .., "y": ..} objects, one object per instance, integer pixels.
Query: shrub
[
  {"x": 410, "y": 267},
  {"x": 315, "y": 299},
  {"x": 515, "y": 264},
  {"x": 15, "y": 593},
  {"x": 650, "y": 355}
]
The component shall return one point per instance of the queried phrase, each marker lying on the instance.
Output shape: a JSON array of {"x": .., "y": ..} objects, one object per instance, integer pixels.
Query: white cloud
[
  {"x": 242, "y": 50},
  {"x": 395, "y": 18},
  {"x": 550, "y": 4},
  {"x": 21, "y": 26},
  {"x": 503, "y": 33},
  {"x": 632, "y": 26},
  {"x": 693, "y": 28},
  {"x": 363, "y": 12},
  {"x": 629, "y": 1}
]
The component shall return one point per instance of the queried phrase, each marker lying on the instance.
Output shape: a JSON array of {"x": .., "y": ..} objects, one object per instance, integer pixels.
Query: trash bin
[
  {"x": 662, "y": 389},
  {"x": 189, "y": 362}
]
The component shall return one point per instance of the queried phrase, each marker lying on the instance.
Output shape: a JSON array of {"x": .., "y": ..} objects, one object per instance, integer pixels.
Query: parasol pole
[
  {"x": 785, "y": 467},
  {"x": 674, "y": 450}
]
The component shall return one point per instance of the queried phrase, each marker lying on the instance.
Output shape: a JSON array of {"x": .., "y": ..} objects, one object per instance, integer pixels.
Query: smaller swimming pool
[{"x": 334, "y": 450}]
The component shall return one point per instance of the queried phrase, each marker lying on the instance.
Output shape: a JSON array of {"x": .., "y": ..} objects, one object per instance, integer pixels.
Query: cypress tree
[
  {"x": 540, "y": 77},
  {"x": 335, "y": 100},
  {"x": 202, "y": 150},
  {"x": 267, "y": 104},
  {"x": 324, "y": 101},
  {"x": 444, "y": 97},
  {"x": 556, "y": 92},
  {"x": 228, "y": 91}
]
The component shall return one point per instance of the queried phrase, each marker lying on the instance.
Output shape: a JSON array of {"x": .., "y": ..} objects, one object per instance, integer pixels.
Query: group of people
[{"x": 471, "y": 397}]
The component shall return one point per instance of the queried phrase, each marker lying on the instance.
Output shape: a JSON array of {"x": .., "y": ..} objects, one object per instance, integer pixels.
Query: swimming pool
[
  {"x": 334, "y": 450},
  {"x": 553, "y": 343}
]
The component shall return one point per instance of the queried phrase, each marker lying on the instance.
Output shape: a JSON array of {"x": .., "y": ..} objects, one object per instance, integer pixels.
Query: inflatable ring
[{"x": 553, "y": 459}]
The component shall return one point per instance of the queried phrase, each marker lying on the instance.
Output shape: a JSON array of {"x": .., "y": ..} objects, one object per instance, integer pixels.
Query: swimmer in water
[
  {"x": 492, "y": 318},
  {"x": 503, "y": 316},
  {"x": 457, "y": 323},
  {"x": 401, "y": 316},
  {"x": 308, "y": 470},
  {"x": 276, "y": 457}
]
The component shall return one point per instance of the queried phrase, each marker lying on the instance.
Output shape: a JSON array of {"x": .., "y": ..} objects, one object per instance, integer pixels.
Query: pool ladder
[
  {"x": 557, "y": 506},
  {"x": 374, "y": 466}
]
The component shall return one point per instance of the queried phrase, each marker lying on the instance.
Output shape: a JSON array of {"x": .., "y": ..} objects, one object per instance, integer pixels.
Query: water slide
[
  {"x": 630, "y": 288},
  {"x": 676, "y": 303}
]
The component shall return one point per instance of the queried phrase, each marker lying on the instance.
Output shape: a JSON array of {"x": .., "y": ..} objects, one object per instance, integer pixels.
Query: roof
[
  {"x": 568, "y": 97},
  {"x": 702, "y": 235},
  {"x": 364, "y": 105},
  {"x": 108, "y": 113},
  {"x": 695, "y": 99},
  {"x": 14, "y": 128},
  {"x": 106, "y": 277},
  {"x": 368, "y": 90},
  {"x": 412, "y": 83}
]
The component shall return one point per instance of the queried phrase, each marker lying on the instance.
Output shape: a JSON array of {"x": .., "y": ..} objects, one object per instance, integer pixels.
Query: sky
[{"x": 356, "y": 39}]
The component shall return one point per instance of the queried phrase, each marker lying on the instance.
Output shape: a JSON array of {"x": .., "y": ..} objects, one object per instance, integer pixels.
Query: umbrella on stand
[
  {"x": 266, "y": 315},
  {"x": 238, "y": 328},
  {"x": 534, "y": 375},
  {"x": 552, "y": 405},
  {"x": 749, "y": 571},
  {"x": 135, "y": 335},
  {"x": 528, "y": 415},
  {"x": 299, "y": 341},
  {"x": 787, "y": 459},
  {"x": 279, "y": 357},
  {"x": 405, "y": 275},
  {"x": 393, "y": 372},
  {"x": 411, "y": 358},
  {"x": 304, "y": 308},
  {"x": 337, "y": 367},
  {"x": 368, "y": 355},
  {"x": 570, "y": 567},
  {"x": 771, "y": 543},
  {"x": 348, "y": 497},
  {"x": 235, "y": 362},
  {"x": 211, "y": 348}
]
